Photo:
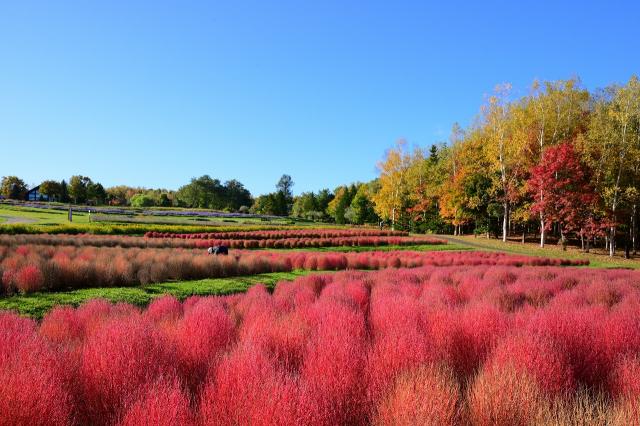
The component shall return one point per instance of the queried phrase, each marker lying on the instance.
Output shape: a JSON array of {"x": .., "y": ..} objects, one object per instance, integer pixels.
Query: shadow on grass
[{"x": 37, "y": 304}]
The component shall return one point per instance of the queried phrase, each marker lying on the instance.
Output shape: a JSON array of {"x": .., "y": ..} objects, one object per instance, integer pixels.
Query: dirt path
[
  {"x": 455, "y": 240},
  {"x": 14, "y": 219}
]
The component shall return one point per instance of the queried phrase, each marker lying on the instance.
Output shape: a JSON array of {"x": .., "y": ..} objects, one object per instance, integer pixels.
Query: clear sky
[{"x": 152, "y": 93}]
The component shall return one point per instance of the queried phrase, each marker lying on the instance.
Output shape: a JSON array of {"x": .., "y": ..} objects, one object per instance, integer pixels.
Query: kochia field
[{"x": 437, "y": 345}]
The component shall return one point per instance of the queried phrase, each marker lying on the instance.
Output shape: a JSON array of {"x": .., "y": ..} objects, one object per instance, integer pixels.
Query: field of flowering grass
[
  {"x": 469, "y": 343},
  {"x": 281, "y": 234},
  {"x": 34, "y": 268},
  {"x": 226, "y": 239}
]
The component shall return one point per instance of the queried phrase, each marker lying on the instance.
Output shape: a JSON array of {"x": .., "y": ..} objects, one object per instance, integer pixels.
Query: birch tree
[
  {"x": 394, "y": 190},
  {"x": 556, "y": 113},
  {"x": 503, "y": 151},
  {"x": 612, "y": 139}
]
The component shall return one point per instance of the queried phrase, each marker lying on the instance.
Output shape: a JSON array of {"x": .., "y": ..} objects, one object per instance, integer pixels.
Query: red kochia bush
[
  {"x": 33, "y": 385},
  {"x": 429, "y": 345},
  {"x": 233, "y": 240},
  {"x": 165, "y": 308},
  {"x": 504, "y": 396},
  {"x": 537, "y": 357},
  {"x": 119, "y": 361},
  {"x": 62, "y": 326},
  {"x": 427, "y": 395},
  {"x": 333, "y": 367},
  {"x": 625, "y": 379},
  {"x": 79, "y": 267},
  {"x": 163, "y": 403},
  {"x": 204, "y": 332},
  {"x": 247, "y": 389},
  {"x": 291, "y": 233},
  {"x": 28, "y": 279}
]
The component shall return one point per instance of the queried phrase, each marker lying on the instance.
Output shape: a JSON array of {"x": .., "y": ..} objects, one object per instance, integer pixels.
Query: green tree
[
  {"x": 142, "y": 200},
  {"x": 96, "y": 194},
  {"x": 341, "y": 202},
  {"x": 203, "y": 192},
  {"x": 324, "y": 197},
  {"x": 284, "y": 185},
  {"x": 165, "y": 201},
  {"x": 265, "y": 204},
  {"x": 64, "y": 192},
  {"x": 236, "y": 195},
  {"x": 285, "y": 201},
  {"x": 305, "y": 206},
  {"x": 281, "y": 204},
  {"x": 51, "y": 189},
  {"x": 614, "y": 133},
  {"x": 362, "y": 210},
  {"x": 78, "y": 188},
  {"x": 13, "y": 187}
]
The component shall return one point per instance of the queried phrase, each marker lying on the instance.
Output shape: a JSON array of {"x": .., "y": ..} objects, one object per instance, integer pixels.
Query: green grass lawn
[
  {"x": 196, "y": 220},
  {"x": 358, "y": 249},
  {"x": 37, "y": 304},
  {"x": 37, "y": 216},
  {"x": 41, "y": 216},
  {"x": 597, "y": 258}
]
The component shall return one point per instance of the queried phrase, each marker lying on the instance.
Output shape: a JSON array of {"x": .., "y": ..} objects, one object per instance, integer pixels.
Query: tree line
[
  {"x": 346, "y": 204},
  {"x": 203, "y": 192},
  {"x": 79, "y": 190},
  {"x": 558, "y": 161}
]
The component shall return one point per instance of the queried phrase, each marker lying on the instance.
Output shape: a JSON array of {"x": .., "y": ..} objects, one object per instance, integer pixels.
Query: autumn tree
[
  {"x": 555, "y": 111},
  {"x": 426, "y": 192},
  {"x": 613, "y": 137},
  {"x": 502, "y": 149},
  {"x": 337, "y": 208},
  {"x": 393, "y": 194},
  {"x": 567, "y": 194}
]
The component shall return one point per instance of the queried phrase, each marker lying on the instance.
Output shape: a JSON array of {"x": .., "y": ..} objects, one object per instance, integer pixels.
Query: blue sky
[{"x": 152, "y": 93}]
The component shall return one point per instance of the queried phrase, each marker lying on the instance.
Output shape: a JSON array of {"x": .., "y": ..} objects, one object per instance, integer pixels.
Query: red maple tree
[{"x": 561, "y": 189}]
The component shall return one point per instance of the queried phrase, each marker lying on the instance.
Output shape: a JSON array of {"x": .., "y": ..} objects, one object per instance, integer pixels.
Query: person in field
[{"x": 218, "y": 250}]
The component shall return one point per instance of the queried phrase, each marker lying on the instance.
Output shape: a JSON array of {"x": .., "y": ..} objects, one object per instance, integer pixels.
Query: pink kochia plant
[
  {"x": 236, "y": 240},
  {"x": 439, "y": 344},
  {"x": 31, "y": 268}
]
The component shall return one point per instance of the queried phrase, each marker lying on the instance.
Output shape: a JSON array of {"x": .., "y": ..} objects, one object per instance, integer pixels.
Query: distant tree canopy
[
  {"x": 125, "y": 195},
  {"x": 208, "y": 193},
  {"x": 277, "y": 203},
  {"x": 51, "y": 189},
  {"x": 142, "y": 200},
  {"x": 12, "y": 187},
  {"x": 284, "y": 185},
  {"x": 347, "y": 204},
  {"x": 83, "y": 190}
]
